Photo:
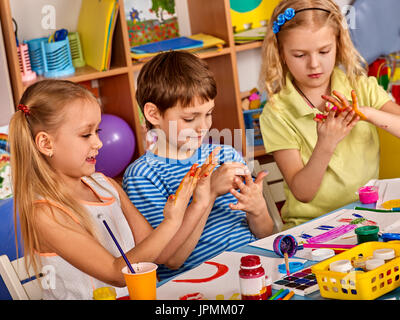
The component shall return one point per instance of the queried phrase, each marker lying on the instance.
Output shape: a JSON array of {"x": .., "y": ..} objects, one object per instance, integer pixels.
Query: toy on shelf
[{"x": 252, "y": 104}]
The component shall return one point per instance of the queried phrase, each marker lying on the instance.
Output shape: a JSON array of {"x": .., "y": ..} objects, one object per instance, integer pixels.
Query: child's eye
[
  {"x": 98, "y": 130},
  {"x": 188, "y": 120},
  {"x": 324, "y": 52},
  {"x": 209, "y": 114},
  {"x": 86, "y": 135},
  {"x": 299, "y": 56}
]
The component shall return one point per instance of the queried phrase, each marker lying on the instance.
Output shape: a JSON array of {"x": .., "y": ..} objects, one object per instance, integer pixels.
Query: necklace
[{"x": 304, "y": 96}]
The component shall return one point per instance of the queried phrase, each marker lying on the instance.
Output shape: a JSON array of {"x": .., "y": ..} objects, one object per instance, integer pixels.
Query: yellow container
[
  {"x": 359, "y": 285},
  {"x": 104, "y": 293}
]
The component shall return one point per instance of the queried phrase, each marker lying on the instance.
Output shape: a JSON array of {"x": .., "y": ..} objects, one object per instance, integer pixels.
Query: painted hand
[{"x": 341, "y": 104}]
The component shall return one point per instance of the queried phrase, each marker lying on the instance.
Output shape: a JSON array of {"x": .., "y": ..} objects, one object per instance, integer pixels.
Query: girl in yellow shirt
[{"x": 307, "y": 54}]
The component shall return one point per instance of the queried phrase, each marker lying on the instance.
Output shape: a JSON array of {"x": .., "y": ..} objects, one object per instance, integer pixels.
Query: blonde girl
[
  {"x": 308, "y": 55},
  {"x": 61, "y": 201}
]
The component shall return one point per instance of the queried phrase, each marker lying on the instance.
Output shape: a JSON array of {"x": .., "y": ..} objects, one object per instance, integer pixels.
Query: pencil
[{"x": 288, "y": 296}]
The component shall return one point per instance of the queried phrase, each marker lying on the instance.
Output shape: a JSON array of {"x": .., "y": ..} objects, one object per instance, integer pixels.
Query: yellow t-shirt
[{"x": 287, "y": 123}]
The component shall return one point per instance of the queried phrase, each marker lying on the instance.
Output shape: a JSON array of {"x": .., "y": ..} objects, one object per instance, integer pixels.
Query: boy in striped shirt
[{"x": 176, "y": 92}]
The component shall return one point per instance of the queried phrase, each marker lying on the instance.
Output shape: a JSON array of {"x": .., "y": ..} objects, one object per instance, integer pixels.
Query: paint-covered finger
[
  {"x": 332, "y": 100},
  {"x": 342, "y": 98}
]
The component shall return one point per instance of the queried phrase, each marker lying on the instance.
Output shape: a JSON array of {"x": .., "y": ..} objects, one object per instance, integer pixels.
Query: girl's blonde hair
[
  {"x": 32, "y": 176},
  {"x": 273, "y": 71}
]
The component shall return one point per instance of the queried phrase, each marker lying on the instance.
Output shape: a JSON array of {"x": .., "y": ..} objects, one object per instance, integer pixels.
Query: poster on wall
[{"x": 150, "y": 21}]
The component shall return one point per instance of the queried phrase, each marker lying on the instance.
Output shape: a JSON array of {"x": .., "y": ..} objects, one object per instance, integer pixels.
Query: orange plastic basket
[{"x": 359, "y": 285}]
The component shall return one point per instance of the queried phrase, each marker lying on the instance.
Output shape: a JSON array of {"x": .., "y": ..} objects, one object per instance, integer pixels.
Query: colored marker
[
  {"x": 373, "y": 210},
  {"x": 282, "y": 294},
  {"x": 289, "y": 295},
  {"x": 276, "y": 294}
]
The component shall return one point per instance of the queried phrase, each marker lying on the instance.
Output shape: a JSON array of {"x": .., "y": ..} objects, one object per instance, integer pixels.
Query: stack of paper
[
  {"x": 250, "y": 35},
  {"x": 192, "y": 43},
  {"x": 96, "y": 26}
]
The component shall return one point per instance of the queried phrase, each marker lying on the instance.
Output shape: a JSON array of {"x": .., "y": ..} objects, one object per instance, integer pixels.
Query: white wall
[{"x": 32, "y": 23}]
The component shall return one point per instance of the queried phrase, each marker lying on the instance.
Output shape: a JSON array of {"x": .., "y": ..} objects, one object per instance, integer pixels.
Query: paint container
[
  {"x": 359, "y": 263},
  {"x": 384, "y": 254},
  {"x": 322, "y": 254},
  {"x": 268, "y": 286},
  {"x": 252, "y": 278},
  {"x": 367, "y": 233},
  {"x": 368, "y": 194},
  {"x": 341, "y": 266},
  {"x": 373, "y": 263}
]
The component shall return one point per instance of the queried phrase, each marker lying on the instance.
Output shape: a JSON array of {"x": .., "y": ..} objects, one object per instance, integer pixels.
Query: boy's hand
[
  {"x": 222, "y": 179},
  {"x": 202, "y": 192},
  {"x": 250, "y": 198}
]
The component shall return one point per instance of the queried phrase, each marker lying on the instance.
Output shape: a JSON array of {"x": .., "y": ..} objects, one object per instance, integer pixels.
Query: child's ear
[
  {"x": 44, "y": 143},
  {"x": 152, "y": 113}
]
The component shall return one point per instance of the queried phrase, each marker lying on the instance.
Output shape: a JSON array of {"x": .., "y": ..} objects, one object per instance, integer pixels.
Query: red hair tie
[{"x": 24, "y": 109}]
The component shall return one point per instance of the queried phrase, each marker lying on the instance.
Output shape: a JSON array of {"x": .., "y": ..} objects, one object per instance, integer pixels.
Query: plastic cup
[{"x": 141, "y": 284}]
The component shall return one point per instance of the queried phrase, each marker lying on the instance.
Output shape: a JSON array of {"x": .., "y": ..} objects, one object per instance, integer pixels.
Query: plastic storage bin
[
  {"x": 51, "y": 59},
  {"x": 25, "y": 63},
  {"x": 76, "y": 50},
  {"x": 252, "y": 121},
  {"x": 359, "y": 285},
  {"x": 36, "y": 55}
]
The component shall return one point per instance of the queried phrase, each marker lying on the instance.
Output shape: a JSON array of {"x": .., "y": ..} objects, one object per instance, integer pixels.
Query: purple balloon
[{"x": 118, "y": 145}]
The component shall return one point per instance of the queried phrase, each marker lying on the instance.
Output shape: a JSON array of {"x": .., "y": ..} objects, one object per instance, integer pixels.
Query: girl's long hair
[
  {"x": 273, "y": 71},
  {"x": 32, "y": 176}
]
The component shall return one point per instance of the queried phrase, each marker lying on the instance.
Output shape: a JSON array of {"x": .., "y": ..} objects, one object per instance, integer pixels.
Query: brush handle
[{"x": 119, "y": 248}]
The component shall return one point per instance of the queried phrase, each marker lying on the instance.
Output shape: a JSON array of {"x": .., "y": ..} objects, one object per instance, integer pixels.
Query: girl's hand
[
  {"x": 250, "y": 198},
  {"x": 202, "y": 192},
  {"x": 335, "y": 128},
  {"x": 342, "y": 103},
  {"x": 177, "y": 203}
]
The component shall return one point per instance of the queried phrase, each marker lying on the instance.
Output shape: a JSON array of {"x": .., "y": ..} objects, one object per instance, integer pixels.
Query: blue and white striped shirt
[{"x": 151, "y": 179}]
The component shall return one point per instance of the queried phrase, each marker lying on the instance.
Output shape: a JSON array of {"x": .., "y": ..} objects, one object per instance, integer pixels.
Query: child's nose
[
  {"x": 97, "y": 144},
  {"x": 314, "y": 62}
]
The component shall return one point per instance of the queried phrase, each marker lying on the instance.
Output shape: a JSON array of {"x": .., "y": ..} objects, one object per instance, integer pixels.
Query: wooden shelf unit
[{"x": 117, "y": 87}]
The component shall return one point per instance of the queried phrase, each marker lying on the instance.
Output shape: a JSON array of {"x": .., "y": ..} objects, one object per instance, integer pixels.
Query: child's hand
[
  {"x": 342, "y": 103},
  {"x": 335, "y": 128},
  {"x": 250, "y": 198},
  {"x": 177, "y": 203},
  {"x": 222, "y": 179},
  {"x": 202, "y": 192}
]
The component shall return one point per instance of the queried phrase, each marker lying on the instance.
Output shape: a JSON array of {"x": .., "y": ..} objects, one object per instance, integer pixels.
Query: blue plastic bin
[
  {"x": 51, "y": 59},
  {"x": 252, "y": 121},
  {"x": 36, "y": 54}
]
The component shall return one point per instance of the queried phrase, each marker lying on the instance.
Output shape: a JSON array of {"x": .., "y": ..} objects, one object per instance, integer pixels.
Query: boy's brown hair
[{"x": 174, "y": 77}]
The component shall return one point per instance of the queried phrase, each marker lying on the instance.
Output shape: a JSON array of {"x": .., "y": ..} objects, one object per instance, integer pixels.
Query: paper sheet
[{"x": 225, "y": 287}]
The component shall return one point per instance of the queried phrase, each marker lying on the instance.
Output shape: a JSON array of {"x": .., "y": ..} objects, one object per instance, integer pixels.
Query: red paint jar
[{"x": 252, "y": 279}]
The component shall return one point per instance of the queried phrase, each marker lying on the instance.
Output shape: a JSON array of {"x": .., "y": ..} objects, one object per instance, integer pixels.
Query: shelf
[
  {"x": 203, "y": 54},
  {"x": 85, "y": 73},
  {"x": 248, "y": 46}
]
